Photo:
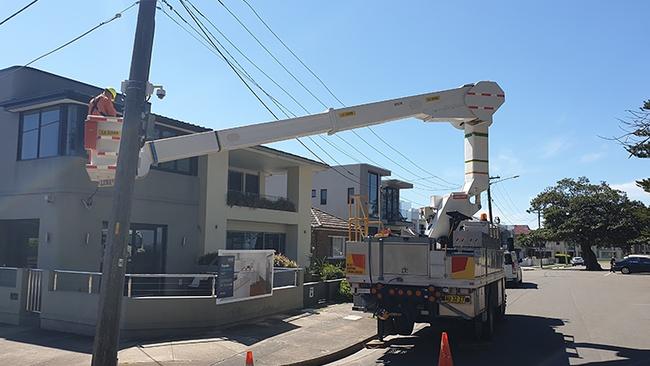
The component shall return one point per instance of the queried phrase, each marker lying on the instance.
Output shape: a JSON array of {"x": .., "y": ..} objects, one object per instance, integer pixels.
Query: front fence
[
  {"x": 158, "y": 285},
  {"x": 34, "y": 290},
  {"x": 170, "y": 285},
  {"x": 8, "y": 276}
]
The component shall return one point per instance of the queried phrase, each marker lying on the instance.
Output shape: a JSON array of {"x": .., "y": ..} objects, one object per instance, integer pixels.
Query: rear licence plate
[{"x": 454, "y": 299}]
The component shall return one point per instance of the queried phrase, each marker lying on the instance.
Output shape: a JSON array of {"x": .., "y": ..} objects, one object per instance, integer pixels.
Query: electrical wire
[
  {"x": 502, "y": 196},
  {"x": 249, "y": 60},
  {"x": 293, "y": 53},
  {"x": 207, "y": 36},
  {"x": 271, "y": 54},
  {"x": 268, "y": 27},
  {"x": 18, "y": 12},
  {"x": 115, "y": 17},
  {"x": 503, "y": 215},
  {"x": 201, "y": 27}
]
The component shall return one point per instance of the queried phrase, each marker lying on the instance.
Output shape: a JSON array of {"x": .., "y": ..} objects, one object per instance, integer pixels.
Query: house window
[
  {"x": 323, "y": 196},
  {"x": 252, "y": 183},
  {"x": 313, "y": 193},
  {"x": 74, "y": 129},
  {"x": 350, "y": 194},
  {"x": 188, "y": 166},
  {"x": 249, "y": 240},
  {"x": 235, "y": 181},
  {"x": 390, "y": 204},
  {"x": 243, "y": 182},
  {"x": 373, "y": 194},
  {"x": 337, "y": 247},
  {"x": 52, "y": 132},
  {"x": 39, "y": 134}
]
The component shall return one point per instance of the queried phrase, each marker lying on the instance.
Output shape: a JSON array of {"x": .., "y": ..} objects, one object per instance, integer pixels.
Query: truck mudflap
[{"x": 454, "y": 310}]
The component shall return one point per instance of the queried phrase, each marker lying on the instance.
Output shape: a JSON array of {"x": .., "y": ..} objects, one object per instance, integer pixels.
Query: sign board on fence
[
  {"x": 252, "y": 275},
  {"x": 225, "y": 276}
]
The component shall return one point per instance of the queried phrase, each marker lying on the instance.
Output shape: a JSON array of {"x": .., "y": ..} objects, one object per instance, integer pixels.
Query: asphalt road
[{"x": 558, "y": 317}]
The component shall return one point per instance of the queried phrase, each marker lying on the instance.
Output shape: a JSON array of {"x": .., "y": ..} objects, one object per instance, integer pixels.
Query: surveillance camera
[{"x": 160, "y": 93}]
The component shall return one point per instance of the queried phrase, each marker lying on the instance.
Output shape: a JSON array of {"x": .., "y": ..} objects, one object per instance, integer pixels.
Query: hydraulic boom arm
[{"x": 469, "y": 108}]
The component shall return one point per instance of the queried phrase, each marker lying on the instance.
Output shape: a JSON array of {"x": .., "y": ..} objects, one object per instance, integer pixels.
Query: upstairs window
[
  {"x": 243, "y": 182},
  {"x": 53, "y": 131},
  {"x": 350, "y": 195},
  {"x": 188, "y": 166},
  {"x": 323, "y": 196},
  {"x": 235, "y": 181},
  {"x": 252, "y": 183},
  {"x": 39, "y": 134},
  {"x": 373, "y": 194}
]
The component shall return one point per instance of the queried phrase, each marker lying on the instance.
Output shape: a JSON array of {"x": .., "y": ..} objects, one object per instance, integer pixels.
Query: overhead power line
[
  {"x": 271, "y": 53},
  {"x": 293, "y": 53},
  {"x": 208, "y": 37},
  {"x": 18, "y": 12},
  {"x": 249, "y": 60},
  {"x": 447, "y": 184},
  {"x": 201, "y": 27},
  {"x": 115, "y": 17}
]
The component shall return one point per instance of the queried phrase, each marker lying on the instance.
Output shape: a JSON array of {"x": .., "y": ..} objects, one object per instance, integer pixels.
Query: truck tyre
[
  {"x": 501, "y": 311},
  {"x": 488, "y": 326},
  {"x": 404, "y": 326},
  {"x": 385, "y": 328},
  {"x": 477, "y": 323}
]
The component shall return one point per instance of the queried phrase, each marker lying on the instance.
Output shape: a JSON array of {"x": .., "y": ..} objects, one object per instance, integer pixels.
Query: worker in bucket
[{"x": 102, "y": 105}]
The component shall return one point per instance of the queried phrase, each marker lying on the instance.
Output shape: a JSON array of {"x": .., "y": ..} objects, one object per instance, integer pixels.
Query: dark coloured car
[{"x": 633, "y": 264}]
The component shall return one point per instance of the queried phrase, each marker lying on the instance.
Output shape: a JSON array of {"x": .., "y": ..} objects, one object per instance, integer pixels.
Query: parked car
[
  {"x": 633, "y": 263},
  {"x": 577, "y": 261},
  {"x": 512, "y": 268}
]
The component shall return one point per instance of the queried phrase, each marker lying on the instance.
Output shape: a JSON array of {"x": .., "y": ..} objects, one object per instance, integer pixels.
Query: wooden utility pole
[{"x": 107, "y": 333}]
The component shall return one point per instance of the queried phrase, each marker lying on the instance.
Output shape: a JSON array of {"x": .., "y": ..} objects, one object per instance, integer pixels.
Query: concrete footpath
[{"x": 306, "y": 337}]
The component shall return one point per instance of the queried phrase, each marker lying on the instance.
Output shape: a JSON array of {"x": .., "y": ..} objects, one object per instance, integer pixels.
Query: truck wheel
[
  {"x": 385, "y": 328},
  {"x": 488, "y": 326},
  {"x": 501, "y": 312},
  {"x": 404, "y": 326},
  {"x": 478, "y": 328}
]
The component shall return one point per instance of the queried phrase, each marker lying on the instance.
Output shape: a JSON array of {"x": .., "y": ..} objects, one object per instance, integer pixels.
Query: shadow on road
[
  {"x": 631, "y": 357},
  {"x": 526, "y": 285},
  {"x": 519, "y": 340}
]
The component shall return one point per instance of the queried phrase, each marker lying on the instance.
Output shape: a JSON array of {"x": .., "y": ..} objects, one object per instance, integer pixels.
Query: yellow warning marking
[
  {"x": 108, "y": 133},
  {"x": 433, "y": 98},
  {"x": 347, "y": 114}
]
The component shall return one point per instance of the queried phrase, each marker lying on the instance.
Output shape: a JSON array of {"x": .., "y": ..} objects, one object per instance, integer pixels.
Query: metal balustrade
[
  {"x": 158, "y": 284},
  {"x": 34, "y": 290}
]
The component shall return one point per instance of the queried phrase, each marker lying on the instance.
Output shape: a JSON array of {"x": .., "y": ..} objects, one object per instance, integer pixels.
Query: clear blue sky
[{"x": 569, "y": 70}]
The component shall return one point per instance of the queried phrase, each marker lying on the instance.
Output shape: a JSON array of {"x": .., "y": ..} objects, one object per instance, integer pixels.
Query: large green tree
[
  {"x": 636, "y": 139},
  {"x": 587, "y": 214}
]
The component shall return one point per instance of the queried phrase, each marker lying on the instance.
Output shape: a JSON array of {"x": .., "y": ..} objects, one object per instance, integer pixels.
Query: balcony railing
[
  {"x": 254, "y": 200},
  {"x": 157, "y": 285}
]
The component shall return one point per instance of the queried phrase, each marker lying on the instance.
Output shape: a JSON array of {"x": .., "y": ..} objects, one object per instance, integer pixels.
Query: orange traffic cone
[
  {"x": 445, "y": 352},
  {"x": 249, "y": 358}
]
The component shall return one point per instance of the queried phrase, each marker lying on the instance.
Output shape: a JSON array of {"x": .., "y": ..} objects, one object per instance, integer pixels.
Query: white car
[
  {"x": 512, "y": 268},
  {"x": 577, "y": 261}
]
